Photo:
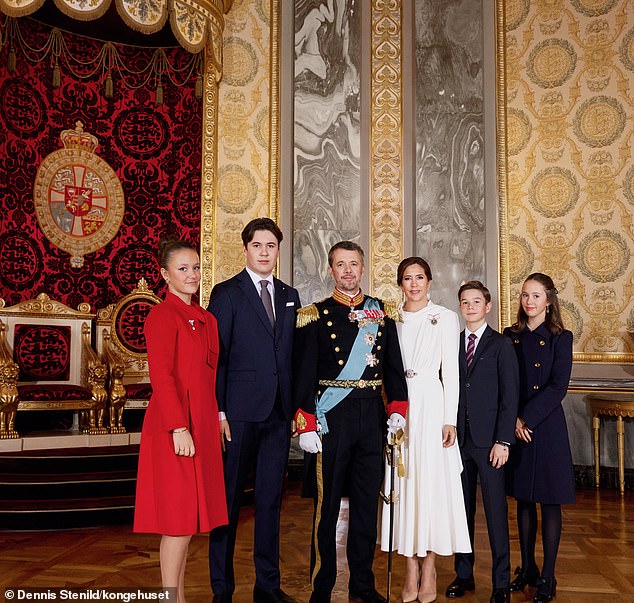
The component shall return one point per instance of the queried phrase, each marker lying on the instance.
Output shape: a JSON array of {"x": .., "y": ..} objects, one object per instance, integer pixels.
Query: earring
[{"x": 547, "y": 309}]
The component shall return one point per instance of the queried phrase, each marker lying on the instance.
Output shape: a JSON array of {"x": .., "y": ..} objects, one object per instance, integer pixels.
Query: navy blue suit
[
  {"x": 254, "y": 390},
  {"x": 487, "y": 410}
]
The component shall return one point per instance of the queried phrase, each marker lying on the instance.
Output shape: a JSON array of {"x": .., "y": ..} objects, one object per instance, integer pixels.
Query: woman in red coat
[
  {"x": 540, "y": 469},
  {"x": 180, "y": 485}
]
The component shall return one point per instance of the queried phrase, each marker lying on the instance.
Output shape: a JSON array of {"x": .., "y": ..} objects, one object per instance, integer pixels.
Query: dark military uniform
[
  {"x": 542, "y": 471},
  {"x": 352, "y": 454}
]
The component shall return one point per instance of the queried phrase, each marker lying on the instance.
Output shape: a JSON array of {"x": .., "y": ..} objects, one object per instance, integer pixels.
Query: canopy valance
[{"x": 194, "y": 23}]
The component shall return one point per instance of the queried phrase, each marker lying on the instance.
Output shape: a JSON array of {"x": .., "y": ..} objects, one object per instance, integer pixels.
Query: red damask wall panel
[{"x": 155, "y": 150}]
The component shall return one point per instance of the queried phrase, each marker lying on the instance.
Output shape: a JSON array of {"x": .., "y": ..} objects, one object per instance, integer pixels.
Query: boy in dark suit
[
  {"x": 489, "y": 393},
  {"x": 256, "y": 323}
]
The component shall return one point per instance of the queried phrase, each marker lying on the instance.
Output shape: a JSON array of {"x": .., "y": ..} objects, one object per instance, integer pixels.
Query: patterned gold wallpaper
[
  {"x": 247, "y": 151},
  {"x": 569, "y": 83}
]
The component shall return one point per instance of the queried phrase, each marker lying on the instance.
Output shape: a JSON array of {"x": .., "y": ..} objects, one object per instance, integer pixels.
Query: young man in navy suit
[
  {"x": 489, "y": 394},
  {"x": 256, "y": 320}
]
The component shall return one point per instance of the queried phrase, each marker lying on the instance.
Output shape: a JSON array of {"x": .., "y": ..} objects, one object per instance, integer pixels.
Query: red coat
[{"x": 179, "y": 495}]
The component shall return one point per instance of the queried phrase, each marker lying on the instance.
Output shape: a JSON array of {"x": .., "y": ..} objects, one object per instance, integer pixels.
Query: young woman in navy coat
[{"x": 540, "y": 469}]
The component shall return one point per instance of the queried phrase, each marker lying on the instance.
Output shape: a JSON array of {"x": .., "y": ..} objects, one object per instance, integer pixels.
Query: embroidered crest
[
  {"x": 78, "y": 198},
  {"x": 300, "y": 421}
]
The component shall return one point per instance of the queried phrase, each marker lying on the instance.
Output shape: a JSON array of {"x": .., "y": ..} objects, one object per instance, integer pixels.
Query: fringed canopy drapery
[{"x": 196, "y": 24}]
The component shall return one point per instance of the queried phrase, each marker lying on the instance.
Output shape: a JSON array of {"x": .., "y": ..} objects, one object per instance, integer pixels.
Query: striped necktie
[{"x": 471, "y": 349}]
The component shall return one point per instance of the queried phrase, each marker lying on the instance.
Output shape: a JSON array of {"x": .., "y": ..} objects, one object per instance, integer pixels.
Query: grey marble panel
[
  {"x": 310, "y": 261},
  {"x": 327, "y": 137},
  {"x": 450, "y": 200}
]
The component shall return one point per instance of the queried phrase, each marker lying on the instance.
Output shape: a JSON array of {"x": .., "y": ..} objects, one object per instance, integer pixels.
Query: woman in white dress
[{"x": 430, "y": 517}]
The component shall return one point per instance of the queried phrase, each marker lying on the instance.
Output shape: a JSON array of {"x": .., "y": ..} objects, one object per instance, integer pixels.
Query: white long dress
[{"x": 429, "y": 512}]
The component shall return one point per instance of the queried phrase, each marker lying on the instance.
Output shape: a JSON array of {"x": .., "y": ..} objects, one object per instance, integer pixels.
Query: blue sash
[{"x": 353, "y": 369}]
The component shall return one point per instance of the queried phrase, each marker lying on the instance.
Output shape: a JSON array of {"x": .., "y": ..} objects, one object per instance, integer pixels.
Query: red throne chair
[
  {"x": 121, "y": 344},
  {"x": 47, "y": 363}
]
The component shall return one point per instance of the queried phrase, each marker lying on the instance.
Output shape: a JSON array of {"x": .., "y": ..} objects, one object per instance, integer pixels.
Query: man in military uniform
[{"x": 346, "y": 350}]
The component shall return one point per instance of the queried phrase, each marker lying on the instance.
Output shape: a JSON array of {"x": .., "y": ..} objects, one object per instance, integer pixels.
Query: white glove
[
  {"x": 395, "y": 422},
  {"x": 309, "y": 441}
]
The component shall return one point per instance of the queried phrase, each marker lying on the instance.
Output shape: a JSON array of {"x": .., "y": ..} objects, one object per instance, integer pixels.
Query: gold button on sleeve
[{"x": 542, "y": 342}]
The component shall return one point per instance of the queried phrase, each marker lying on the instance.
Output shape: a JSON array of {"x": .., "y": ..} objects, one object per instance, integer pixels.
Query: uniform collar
[{"x": 346, "y": 300}]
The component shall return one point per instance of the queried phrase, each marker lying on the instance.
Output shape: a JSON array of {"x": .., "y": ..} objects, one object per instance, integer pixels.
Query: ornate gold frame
[
  {"x": 504, "y": 285},
  {"x": 209, "y": 191}
]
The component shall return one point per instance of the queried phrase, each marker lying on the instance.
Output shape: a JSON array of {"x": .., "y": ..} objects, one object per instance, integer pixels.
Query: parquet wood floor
[{"x": 596, "y": 560}]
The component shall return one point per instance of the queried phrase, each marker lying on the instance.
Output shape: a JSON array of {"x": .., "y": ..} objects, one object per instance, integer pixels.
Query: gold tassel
[
  {"x": 306, "y": 315},
  {"x": 57, "y": 79},
  {"x": 109, "y": 86},
  {"x": 199, "y": 87},
  {"x": 11, "y": 60},
  {"x": 159, "y": 94},
  {"x": 391, "y": 310}
]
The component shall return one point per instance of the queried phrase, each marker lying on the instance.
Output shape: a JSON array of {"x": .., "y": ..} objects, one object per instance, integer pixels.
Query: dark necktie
[
  {"x": 471, "y": 349},
  {"x": 266, "y": 301}
]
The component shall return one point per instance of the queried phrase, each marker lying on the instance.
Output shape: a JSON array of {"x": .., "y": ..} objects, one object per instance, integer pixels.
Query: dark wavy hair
[
  {"x": 168, "y": 245},
  {"x": 413, "y": 261},
  {"x": 260, "y": 224},
  {"x": 476, "y": 286},
  {"x": 553, "y": 313},
  {"x": 347, "y": 246}
]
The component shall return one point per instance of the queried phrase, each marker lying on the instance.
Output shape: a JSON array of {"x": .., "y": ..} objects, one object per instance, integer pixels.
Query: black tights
[{"x": 551, "y": 533}]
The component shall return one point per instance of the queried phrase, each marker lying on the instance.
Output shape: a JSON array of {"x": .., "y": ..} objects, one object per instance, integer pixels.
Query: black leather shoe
[
  {"x": 500, "y": 595},
  {"x": 546, "y": 590},
  {"x": 224, "y": 598},
  {"x": 367, "y": 597},
  {"x": 277, "y": 595},
  {"x": 459, "y": 586},
  {"x": 524, "y": 577}
]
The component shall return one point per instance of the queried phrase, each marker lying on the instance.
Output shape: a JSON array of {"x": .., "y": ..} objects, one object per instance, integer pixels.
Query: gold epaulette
[
  {"x": 391, "y": 310},
  {"x": 306, "y": 315}
]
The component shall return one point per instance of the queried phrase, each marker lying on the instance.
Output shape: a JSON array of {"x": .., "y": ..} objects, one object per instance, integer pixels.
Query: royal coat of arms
[{"x": 78, "y": 198}]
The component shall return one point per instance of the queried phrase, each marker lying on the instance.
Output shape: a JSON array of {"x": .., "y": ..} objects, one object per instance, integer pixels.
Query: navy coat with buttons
[{"x": 542, "y": 470}]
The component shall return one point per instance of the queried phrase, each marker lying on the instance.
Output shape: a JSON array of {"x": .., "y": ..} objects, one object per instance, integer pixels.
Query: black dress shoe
[
  {"x": 546, "y": 589},
  {"x": 524, "y": 577},
  {"x": 459, "y": 586},
  {"x": 500, "y": 595},
  {"x": 371, "y": 596},
  {"x": 277, "y": 595},
  {"x": 224, "y": 598}
]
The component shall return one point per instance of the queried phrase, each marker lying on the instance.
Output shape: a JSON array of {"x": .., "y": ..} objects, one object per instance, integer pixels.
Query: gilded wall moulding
[
  {"x": 386, "y": 148},
  {"x": 240, "y": 147}
]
